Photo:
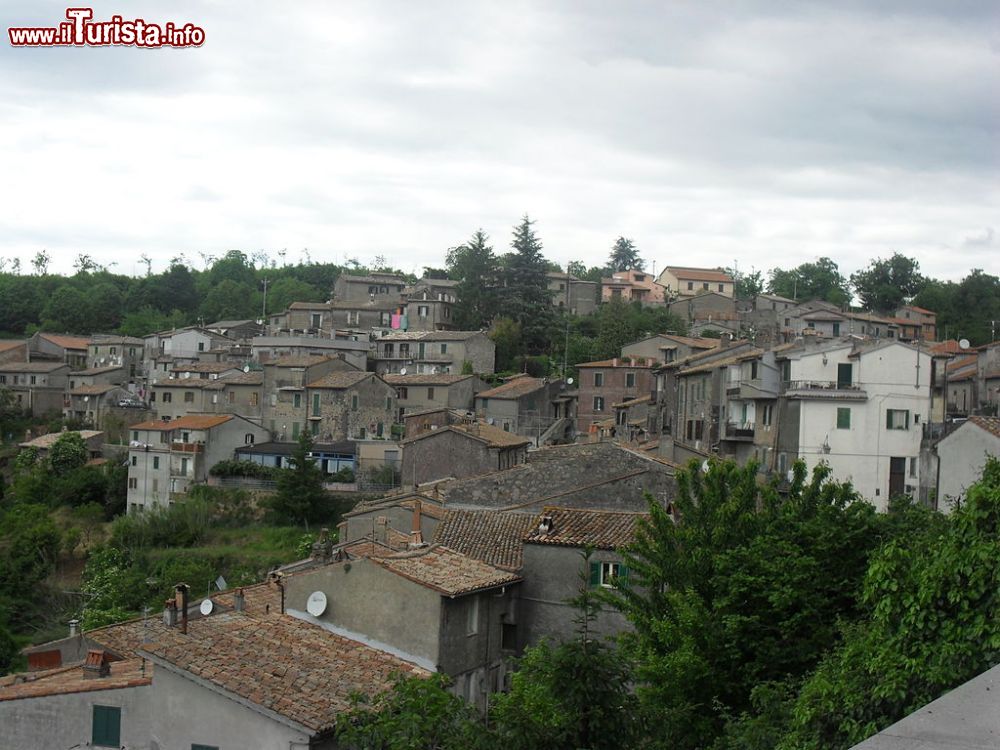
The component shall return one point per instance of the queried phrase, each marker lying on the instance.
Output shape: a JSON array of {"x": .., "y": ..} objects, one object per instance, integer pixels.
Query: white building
[
  {"x": 962, "y": 456},
  {"x": 166, "y": 457},
  {"x": 860, "y": 408}
]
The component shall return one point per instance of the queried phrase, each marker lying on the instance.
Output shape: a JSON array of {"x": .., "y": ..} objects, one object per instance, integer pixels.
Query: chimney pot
[
  {"x": 170, "y": 613},
  {"x": 96, "y": 665},
  {"x": 239, "y": 601},
  {"x": 74, "y": 628}
]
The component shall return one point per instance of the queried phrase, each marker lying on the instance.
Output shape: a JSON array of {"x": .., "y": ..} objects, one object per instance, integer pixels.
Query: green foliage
[
  {"x": 620, "y": 323},
  {"x": 624, "y": 256},
  {"x": 300, "y": 497},
  {"x": 416, "y": 714},
  {"x": 29, "y": 546},
  {"x": 964, "y": 309},
  {"x": 9, "y": 652},
  {"x": 887, "y": 283},
  {"x": 819, "y": 280},
  {"x": 234, "y": 468},
  {"x": 746, "y": 285},
  {"x": 506, "y": 336},
  {"x": 176, "y": 525},
  {"x": 526, "y": 298},
  {"x": 933, "y": 623},
  {"x": 68, "y": 453},
  {"x": 476, "y": 268}
]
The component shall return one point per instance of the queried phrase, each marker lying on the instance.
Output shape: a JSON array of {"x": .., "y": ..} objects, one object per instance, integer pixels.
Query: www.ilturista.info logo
[{"x": 80, "y": 30}]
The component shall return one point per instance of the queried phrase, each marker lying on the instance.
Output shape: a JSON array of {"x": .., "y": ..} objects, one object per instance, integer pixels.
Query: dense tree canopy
[
  {"x": 625, "y": 256},
  {"x": 526, "y": 298},
  {"x": 887, "y": 283},
  {"x": 819, "y": 280},
  {"x": 477, "y": 270}
]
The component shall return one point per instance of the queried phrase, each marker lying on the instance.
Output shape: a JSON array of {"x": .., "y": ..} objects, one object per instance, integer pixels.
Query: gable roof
[
  {"x": 424, "y": 379},
  {"x": 48, "y": 440},
  {"x": 32, "y": 366},
  {"x": 641, "y": 362},
  {"x": 574, "y": 527},
  {"x": 295, "y": 360},
  {"x": 66, "y": 342},
  {"x": 446, "y": 571},
  {"x": 205, "y": 367},
  {"x": 341, "y": 379},
  {"x": 484, "y": 433},
  {"x": 495, "y": 537},
  {"x": 8, "y": 344},
  {"x": 188, "y": 422},
  {"x": 302, "y": 672},
  {"x": 431, "y": 335},
  {"x": 93, "y": 390},
  {"x": 514, "y": 388},
  {"x": 990, "y": 424},
  {"x": 73, "y": 679},
  {"x": 698, "y": 274}
]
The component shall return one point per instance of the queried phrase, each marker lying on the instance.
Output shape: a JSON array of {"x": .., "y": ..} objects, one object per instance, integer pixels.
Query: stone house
[
  {"x": 107, "y": 375},
  {"x": 236, "y": 330},
  {"x": 362, "y": 316},
  {"x": 303, "y": 319},
  {"x": 460, "y": 450},
  {"x": 13, "y": 351},
  {"x": 188, "y": 394},
  {"x": 36, "y": 387},
  {"x": 608, "y": 382},
  {"x": 531, "y": 407},
  {"x": 683, "y": 281},
  {"x": 922, "y": 317},
  {"x": 667, "y": 347},
  {"x": 350, "y": 406},
  {"x": 93, "y": 439},
  {"x": 633, "y": 286},
  {"x": 428, "y": 305},
  {"x": 352, "y": 350},
  {"x": 92, "y": 404},
  {"x": 386, "y": 287},
  {"x": 708, "y": 311},
  {"x": 126, "y": 352},
  {"x": 434, "y": 352},
  {"x": 435, "y": 608},
  {"x": 51, "y": 347},
  {"x": 555, "y": 567},
  {"x": 423, "y": 392},
  {"x": 167, "y": 457},
  {"x": 573, "y": 295},
  {"x": 416, "y": 422},
  {"x": 241, "y": 394},
  {"x": 180, "y": 344},
  {"x": 284, "y": 391}
]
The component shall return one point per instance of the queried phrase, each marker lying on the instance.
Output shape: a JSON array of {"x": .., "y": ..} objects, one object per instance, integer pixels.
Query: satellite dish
[
  {"x": 491, "y": 421},
  {"x": 963, "y": 344},
  {"x": 569, "y": 381},
  {"x": 316, "y": 605},
  {"x": 86, "y": 399},
  {"x": 246, "y": 368},
  {"x": 207, "y": 605},
  {"x": 402, "y": 371}
]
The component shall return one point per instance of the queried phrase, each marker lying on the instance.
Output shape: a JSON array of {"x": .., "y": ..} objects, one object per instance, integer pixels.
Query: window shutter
[
  {"x": 595, "y": 574},
  {"x": 907, "y": 419},
  {"x": 623, "y": 572},
  {"x": 888, "y": 419}
]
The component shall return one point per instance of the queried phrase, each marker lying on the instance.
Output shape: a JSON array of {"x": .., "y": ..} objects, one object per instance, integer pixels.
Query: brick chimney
[
  {"x": 416, "y": 533},
  {"x": 239, "y": 600},
  {"x": 170, "y": 613},
  {"x": 181, "y": 599}
]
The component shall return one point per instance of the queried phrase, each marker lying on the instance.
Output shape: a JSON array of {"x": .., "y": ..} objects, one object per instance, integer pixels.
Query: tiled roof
[
  {"x": 633, "y": 401},
  {"x": 918, "y": 309},
  {"x": 380, "y": 278},
  {"x": 48, "y": 440},
  {"x": 446, "y": 571},
  {"x": 492, "y": 436},
  {"x": 288, "y": 666},
  {"x": 205, "y": 367},
  {"x": 32, "y": 366},
  {"x": 621, "y": 362},
  {"x": 7, "y": 344},
  {"x": 427, "y": 379},
  {"x": 66, "y": 342},
  {"x": 98, "y": 370},
  {"x": 230, "y": 323},
  {"x": 188, "y": 422},
  {"x": 573, "y": 527},
  {"x": 430, "y": 336},
  {"x": 92, "y": 390},
  {"x": 514, "y": 388},
  {"x": 309, "y": 306},
  {"x": 107, "y": 340},
  {"x": 990, "y": 424},
  {"x": 699, "y": 274},
  {"x": 369, "y": 305},
  {"x": 723, "y": 362},
  {"x": 244, "y": 378},
  {"x": 495, "y": 537},
  {"x": 71, "y": 679},
  {"x": 340, "y": 380}
]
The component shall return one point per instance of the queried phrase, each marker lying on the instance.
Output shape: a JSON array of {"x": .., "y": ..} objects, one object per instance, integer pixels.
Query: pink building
[{"x": 633, "y": 286}]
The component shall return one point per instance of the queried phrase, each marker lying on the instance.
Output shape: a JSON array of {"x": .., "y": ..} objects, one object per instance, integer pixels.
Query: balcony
[
  {"x": 749, "y": 389},
  {"x": 824, "y": 390},
  {"x": 743, "y": 431},
  {"x": 198, "y": 447}
]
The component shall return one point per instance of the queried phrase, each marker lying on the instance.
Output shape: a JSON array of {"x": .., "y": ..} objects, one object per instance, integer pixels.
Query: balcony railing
[
  {"x": 824, "y": 389},
  {"x": 739, "y": 430},
  {"x": 187, "y": 447}
]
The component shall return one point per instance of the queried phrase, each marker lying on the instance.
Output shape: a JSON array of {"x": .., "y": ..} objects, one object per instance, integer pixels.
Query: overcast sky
[{"x": 763, "y": 133}]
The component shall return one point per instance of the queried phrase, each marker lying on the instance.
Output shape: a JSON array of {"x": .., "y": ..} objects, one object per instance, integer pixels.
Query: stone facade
[
  {"x": 350, "y": 406},
  {"x": 608, "y": 382},
  {"x": 422, "y": 392},
  {"x": 433, "y": 352},
  {"x": 573, "y": 295},
  {"x": 460, "y": 450}
]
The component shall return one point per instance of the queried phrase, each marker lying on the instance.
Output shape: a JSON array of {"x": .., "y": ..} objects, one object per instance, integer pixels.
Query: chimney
[
  {"x": 239, "y": 601},
  {"x": 382, "y": 529},
  {"x": 342, "y": 531},
  {"x": 170, "y": 613},
  {"x": 416, "y": 534},
  {"x": 545, "y": 524},
  {"x": 74, "y": 628},
  {"x": 725, "y": 340},
  {"x": 181, "y": 597},
  {"x": 614, "y": 362},
  {"x": 97, "y": 664}
]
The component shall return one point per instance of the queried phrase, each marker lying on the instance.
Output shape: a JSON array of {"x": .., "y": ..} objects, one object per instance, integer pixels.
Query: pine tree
[
  {"x": 300, "y": 494},
  {"x": 624, "y": 256},
  {"x": 526, "y": 298},
  {"x": 477, "y": 270}
]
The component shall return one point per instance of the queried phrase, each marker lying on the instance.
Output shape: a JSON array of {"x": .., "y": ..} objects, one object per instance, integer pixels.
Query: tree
[
  {"x": 29, "y": 544},
  {"x": 68, "y": 453},
  {"x": 284, "y": 292},
  {"x": 581, "y": 271},
  {"x": 933, "y": 623},
  {"x": 62, "y": 312},
  {"x": 41, "y": 262},
  {"x": 968, "y": 309},
  {"x": 746, "y": 285},
  {"x": 820, "y": 280},
  {"x": 506, "y": 336},
  {"x": 84, "y": 264},
  {"x": 477, "y": 270},
  {"x": 624, "y": 256},
  {"x": 230, "y": 300},
  {"x": 300, "y": 497},
  {"x": 887, "y": 283},
  {"x": 526, "y": 297},
  {"x": 744, "y": 589}
]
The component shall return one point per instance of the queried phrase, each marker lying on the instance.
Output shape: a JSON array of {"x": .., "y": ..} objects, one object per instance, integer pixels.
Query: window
[
  {"x": 402, "y": 394},
  {"x": 422, "y": 311},
  {"x": 231, "y": 397},
  {"x": 297, "y": 400},
  {"x": 704, "y": 285},
  {"x": 690, "y": 286},
  {"x": 135, "y": 460},
  {"x": 254, "y": 398},
  {"x": 248, "y": 439},
  {"x": 767, "y": 414},
  {"x": 354, "y": 402},
  {"x": 156, "y": 462},
  {"x": 188, "y": 397},
  {"x": 598, "y": 403},
  {"x": 316, "y": 320},
  {"x": 508, "y": 636},
  {"x": 201, "y": 346},
  {"x": 598, "y": 379},
  {"x": 430, "y": 393},
  {"x": 444, "y": 348},
  {"x": 722, "y": 287},
  {"x": 897, "y": 419},
  {"x": 786, "y": 370},
  {"x": 204, "y": 747},
  {"x": 630, "y": 380},
  {"x": 156, "y": 486},
  {"x": 295, "y": 430},
  {"x": 836, "y": 329},
  {"x": 845, "y": 375},
  {"x": 167, "y": 397},
  {"x": 185, "y": 437},
  {"x": 605, "y": 573},
  {"x": 913, "y": 467},
  {"x": 34, "y": 380},
  {"x": 152, "y": 396},
  {"x": 316, "y": 404},
  {"x": 133, "y": 483},
  {"x": 843, "y": 418},
  {"x": 107, "y": 726},
  {"x": 472, "y": 616},
  {"x": 485, "y": 403}
]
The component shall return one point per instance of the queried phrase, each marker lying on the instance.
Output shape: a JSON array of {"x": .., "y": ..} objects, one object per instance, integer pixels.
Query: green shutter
[
  {"x": 595, "y": 574},
  {"x": 623, "y": 572},
  {"x": 907, "y": 422},
  {"x": 107, "y": 726},
  {"x": 888, "y": 419},
  {"x": 843, "y": 418}
]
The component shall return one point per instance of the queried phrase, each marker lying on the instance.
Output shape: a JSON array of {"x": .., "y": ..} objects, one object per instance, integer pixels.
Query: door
[
  {"x": 897, "y": 476},
  {"x": 845, "y": 375}
]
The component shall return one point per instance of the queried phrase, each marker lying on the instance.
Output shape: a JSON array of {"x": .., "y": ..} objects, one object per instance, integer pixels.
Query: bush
[
  {"x": 178, "y": 525},
  {"x": 249, "y": 469}
]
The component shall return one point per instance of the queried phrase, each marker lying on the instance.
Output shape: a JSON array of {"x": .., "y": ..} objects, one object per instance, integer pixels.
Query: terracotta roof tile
[
  {"x": 492, "y": 436},
  {"x": 244, "y": 378},
  {"x": 66, "y": 342},
  {"x": 514, "y": 388},
  {"x": 205, "y": 367},
  {"x": 431, "y": 336},
  {"x": 49, "y": 439},
  {"x": 296, "y": 669},
  {"x": 495, "y": 537},
  {"x": 7, "y": 344},
  {"x": 92, "y": 390},
  {"x": 188, "y": 422},
  {"x": 990, "y": 424},
  {"x": 572, "y": 527},
  {"x": 621, "y": 362},
  {"x": 341, "y": 380},
  {"x": 446, "y": 571},
  {"x": 699, "y": 274},
  {"x": 425, "y": 379},
  {"x": 71, "y": 679},
  {"x": 32, "y": 366},
  {"x": 297, "y": 361}
]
